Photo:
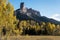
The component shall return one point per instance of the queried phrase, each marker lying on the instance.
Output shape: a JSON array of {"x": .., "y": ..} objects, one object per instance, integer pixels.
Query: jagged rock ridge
[{"x": 24, "y": 13}]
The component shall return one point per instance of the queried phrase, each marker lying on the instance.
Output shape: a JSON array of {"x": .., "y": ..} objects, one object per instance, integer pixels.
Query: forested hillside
[{"x": 25, "y": 24}]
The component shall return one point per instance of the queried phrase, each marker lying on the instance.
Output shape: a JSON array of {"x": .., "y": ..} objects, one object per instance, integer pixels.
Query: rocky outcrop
[{"x": 30, "y": 14}]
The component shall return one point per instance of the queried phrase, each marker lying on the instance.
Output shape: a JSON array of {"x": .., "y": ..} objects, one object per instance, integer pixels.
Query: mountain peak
[{"x": 24, "y": 13}]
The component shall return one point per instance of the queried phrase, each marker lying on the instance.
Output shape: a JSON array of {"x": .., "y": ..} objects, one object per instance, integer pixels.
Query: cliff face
[
  {"x": 33, "y": 15},
  {"x": 33, "y": 12},
  {"x": 30, "y": 14}
]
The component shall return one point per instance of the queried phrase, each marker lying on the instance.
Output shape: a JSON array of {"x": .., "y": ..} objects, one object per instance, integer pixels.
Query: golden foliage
[{"x": 8, "y": 23}]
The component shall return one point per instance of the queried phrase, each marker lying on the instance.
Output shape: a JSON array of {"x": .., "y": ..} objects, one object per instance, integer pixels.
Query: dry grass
[{"x": 30, "y": 38}]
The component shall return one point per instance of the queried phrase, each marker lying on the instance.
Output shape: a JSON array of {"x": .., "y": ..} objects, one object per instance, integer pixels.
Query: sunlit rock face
[
  {"x": 23, "y": 11},
  {"x": 33, "y": 12}
]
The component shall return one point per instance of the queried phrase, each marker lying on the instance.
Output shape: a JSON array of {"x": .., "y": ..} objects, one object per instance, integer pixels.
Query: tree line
[{"x": 9, "y": 25}]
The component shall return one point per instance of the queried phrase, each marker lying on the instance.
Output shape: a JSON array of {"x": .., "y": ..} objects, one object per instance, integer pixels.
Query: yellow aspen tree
[{"x": 7, "y": 19}]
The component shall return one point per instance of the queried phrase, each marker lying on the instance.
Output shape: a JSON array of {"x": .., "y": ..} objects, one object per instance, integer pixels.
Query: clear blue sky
[{"x": 48, "y": 8}]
